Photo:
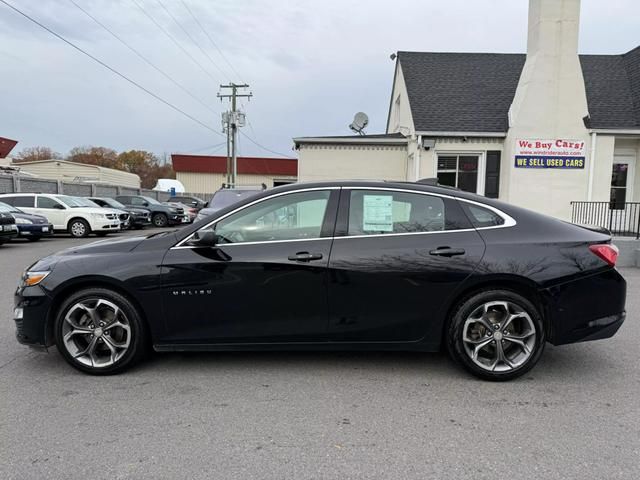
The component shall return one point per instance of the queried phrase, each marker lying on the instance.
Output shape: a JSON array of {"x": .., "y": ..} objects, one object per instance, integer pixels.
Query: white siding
[
  {"x": 210, "y": 182},
  {"x": 70, "y": 171}
]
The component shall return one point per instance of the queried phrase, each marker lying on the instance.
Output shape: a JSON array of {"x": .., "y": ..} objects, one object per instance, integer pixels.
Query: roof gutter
[
  {"x": 616, "y": 131},
  {"x": 364, "y": 140},
  {"x": 461, "y": 134}
]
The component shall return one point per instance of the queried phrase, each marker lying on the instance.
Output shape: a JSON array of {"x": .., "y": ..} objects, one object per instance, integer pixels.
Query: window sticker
[{"x": 378, "y": 213}]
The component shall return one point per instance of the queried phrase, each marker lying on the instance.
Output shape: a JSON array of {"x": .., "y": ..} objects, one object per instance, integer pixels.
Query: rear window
[
  {"x": 482, "y": 217},
  {"x": 22, "y": 201}
]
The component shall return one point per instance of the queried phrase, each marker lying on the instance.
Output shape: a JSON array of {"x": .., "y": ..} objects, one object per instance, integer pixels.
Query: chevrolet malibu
[{"x": 333, "y": 266}]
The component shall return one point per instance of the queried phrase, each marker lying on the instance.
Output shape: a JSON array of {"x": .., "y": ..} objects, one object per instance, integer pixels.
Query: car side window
[
  {"x": 19, "y": 201},
  {"x": 375, "y": 212},
  {"x": 137, "y": 201},
  {"x": 46, "y": 202},
  {"x": 294, "y": 216},
  {"x": 481, "y": 217}
]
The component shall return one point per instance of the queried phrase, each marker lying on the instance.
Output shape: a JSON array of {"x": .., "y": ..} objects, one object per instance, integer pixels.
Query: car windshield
[
  {"x": 152, "y": 201},
  {"x": 8, "y": 208},
  {"x": 85, "y": 202},
  {"x": 224, "y": 198},
  {"x": 112, "y": 203},
  {"x": 70, "y": 201}
]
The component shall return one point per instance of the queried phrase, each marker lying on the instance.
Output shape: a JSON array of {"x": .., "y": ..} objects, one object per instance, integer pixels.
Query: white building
[
  {"x": 78, "y": 172},
  {"x": 541, "y": 130}
]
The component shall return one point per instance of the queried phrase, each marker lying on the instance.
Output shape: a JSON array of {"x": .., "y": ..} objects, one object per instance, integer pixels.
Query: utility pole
[{"x": 231, "y": 120}]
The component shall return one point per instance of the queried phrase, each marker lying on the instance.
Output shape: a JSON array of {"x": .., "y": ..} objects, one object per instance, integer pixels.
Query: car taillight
[{"x": 607, "y": 252}]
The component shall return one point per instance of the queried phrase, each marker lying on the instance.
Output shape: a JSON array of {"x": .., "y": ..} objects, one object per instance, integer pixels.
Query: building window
[{"x": 459, "y": 171}]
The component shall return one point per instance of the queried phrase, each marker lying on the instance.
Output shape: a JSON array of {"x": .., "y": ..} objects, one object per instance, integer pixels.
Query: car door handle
[
  {"x": 305, "y": 257},
  {"x": 447, "y": 251}
]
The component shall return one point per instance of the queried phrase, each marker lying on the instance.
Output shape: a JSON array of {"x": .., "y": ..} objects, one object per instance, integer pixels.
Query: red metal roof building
[
  {"x": 207, "y": 173},
  {"x": 6, "y": 145}
]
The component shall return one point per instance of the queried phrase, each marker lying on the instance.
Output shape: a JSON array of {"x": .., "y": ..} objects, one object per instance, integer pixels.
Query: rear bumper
[{"x": 588, "y": 308}]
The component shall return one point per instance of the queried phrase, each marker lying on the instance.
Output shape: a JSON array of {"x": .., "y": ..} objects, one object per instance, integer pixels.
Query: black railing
[{"x": 620, "y": 218}]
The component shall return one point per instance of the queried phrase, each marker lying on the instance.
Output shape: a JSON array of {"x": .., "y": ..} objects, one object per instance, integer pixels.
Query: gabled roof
[
  {"x": 472, "y": 92},
  {"x": 6, "y": 145},
  {"x": 246, "y": 165}
]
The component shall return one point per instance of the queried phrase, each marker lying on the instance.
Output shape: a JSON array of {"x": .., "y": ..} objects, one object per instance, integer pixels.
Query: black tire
[
  {"x": 34, "y": 239},
  {"x": 159, "y": 220},
  {"x": 138, "y": 342},
  {"x": 78, "y": 228},
  {"x": 470, "y": 305}
]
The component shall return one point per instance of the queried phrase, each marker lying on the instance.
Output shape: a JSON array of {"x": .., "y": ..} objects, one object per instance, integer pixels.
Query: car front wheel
[
  {"x": 160, "y": 220},
  {"x": 79, "y": 228},
  {"x": 496, "y": 335},
  {"x": 99, "y": 331}
]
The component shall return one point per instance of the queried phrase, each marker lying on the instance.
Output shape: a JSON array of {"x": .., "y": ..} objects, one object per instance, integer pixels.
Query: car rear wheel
[
  {"x": 79, "y": 228},
  {"x": 99, "y": 331},
  {"x": 496, "y": 335},
  {"x": 159, "y": 220}
]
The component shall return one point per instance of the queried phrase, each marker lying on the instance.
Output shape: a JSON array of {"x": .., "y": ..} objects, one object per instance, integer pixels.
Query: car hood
[
  {"x": 31, "y": 217},
  {"x": 110, "y": 245}
]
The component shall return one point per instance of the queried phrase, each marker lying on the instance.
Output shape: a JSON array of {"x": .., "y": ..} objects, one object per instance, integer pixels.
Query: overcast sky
[{"x": 311, "y": 64}]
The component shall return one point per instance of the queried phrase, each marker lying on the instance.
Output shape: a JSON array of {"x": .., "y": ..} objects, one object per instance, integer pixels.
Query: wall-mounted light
[{"x": 428, "y": 143}]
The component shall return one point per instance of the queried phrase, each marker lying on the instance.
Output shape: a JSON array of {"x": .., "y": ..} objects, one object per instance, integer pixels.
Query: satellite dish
[{"x": 360, "y": 121}]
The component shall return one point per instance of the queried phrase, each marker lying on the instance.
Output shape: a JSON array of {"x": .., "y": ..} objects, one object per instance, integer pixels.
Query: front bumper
[
  {"x": 588, "y": 308},
  {"x": 35, "y": 230},
  {"x": 31, "y": 307},
  {"x": 106, "y": 225},
  {"x": 175, "y": 219}
]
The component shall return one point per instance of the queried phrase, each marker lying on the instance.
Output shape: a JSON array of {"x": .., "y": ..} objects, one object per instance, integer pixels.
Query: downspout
[
  {"x": 418, "y": 160},
  {"x": 592, "y": 163}
]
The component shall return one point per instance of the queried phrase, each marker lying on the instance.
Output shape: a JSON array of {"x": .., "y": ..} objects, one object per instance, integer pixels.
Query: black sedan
[
  {"x": 342, "y": 265},
  {"x": 30, "y": 226}
]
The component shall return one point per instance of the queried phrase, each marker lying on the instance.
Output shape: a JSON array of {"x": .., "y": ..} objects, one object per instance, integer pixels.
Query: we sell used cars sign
[{"x": 556, "y": 153}]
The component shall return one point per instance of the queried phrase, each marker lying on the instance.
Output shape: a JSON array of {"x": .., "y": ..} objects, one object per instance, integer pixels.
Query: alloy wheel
[
  {"x": 78, "y": 229},
  {"x": 499, "y": 336},
  {"x": 96, "y": 332}
]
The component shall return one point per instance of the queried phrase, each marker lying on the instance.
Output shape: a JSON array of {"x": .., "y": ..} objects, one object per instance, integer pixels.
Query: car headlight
[
  {"x": 29, "y": 279},
  {"x": 23, "y": 221},
  {"x": 98, "y": 215}
]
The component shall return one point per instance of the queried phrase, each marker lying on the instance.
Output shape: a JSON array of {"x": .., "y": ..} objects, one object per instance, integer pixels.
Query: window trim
[
  {"x": 508, "y": 220},
  {"x": 482, "y": 165}
]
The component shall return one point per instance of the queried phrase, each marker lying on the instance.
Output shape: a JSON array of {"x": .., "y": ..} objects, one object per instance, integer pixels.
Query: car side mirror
[
  {"x": 204, "y": 238},
  {"x": 57, "y": 206},
  {"x": 145, "y": 204}
]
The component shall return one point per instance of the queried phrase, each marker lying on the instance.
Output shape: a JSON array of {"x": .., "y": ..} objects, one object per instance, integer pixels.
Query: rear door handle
[
  {"x": 305, "y": 257},
  {"x": 447, "y": 252}
]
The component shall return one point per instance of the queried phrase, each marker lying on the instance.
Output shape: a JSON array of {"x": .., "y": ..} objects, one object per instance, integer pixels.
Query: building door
[{"x": 623, "y": 216}]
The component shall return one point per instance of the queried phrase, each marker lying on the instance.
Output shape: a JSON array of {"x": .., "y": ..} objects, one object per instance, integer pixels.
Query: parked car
[
  {"x": 190, "y": 213},
  {"x": 123, "y": 215},
  {"x": 161, "y": 215},
  {"x": 193, "y": 202},
  {"x": 138, "y": 217},
  {"x": 65, "y": 213},
  {"x": 8, "y": 228},
  {"x": 225, "y": 197},
  {"x": 31, "y": 227},
  {"x": 365, "y": 265}
]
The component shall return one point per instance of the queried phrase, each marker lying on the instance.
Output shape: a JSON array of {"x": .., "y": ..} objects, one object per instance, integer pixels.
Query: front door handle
[
  {"x": 447, "y": 252},
  {"x": 305, "y": 257}
]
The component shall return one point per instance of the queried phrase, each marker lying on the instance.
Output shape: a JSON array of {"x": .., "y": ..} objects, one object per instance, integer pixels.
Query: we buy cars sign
[{"x": 557, "y": 153}]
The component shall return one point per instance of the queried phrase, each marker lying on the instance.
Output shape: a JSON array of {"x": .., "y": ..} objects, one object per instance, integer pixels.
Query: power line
[
  {"x": 263, "y": 147},
  {"x": 213, "y": 148},
  {"x": 204, "y": 52},
  {"x": 108, "y": 67},
  {"x": 172, "y": 38},
  {"x": 212, "y": 41},
  {"x": 146, "y": 60}
]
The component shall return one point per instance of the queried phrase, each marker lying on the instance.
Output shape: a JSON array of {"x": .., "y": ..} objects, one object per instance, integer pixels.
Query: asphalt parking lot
[{"x": 316, "y": 415}]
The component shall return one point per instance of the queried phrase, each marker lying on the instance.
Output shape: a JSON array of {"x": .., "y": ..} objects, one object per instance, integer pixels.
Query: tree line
[{"x": 141, "y": 162}]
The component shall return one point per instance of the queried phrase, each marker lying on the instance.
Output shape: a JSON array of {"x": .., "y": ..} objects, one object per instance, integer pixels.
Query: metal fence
[
  {"x": 21, "y": 184},
  {"x": 620, "y": 218}
]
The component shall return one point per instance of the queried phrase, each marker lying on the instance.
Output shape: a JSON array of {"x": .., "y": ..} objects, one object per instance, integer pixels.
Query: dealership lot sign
[{"x": 558, "y": 153}]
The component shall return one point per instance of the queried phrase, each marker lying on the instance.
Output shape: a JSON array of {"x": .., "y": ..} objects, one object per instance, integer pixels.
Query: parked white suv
[{"x": 65, "y": 213}]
